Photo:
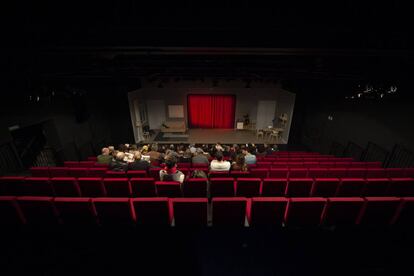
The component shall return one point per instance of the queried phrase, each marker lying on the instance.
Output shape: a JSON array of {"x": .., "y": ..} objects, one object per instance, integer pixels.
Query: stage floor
[{"x": 209, "y": 136}]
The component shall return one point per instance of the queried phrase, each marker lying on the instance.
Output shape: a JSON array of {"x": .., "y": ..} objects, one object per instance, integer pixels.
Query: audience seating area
[
  {"x": 304, "y": 189},
  {"x": 224, "y": 211}
]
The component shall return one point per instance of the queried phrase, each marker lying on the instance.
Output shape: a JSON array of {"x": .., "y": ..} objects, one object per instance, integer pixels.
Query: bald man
[{"x": 105, "y": 157}]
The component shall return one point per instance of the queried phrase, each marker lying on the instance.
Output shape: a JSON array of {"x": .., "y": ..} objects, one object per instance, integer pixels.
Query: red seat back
[
  {"x": 97, "y": 172},
  {"x": 91, "y": 187},
  {"x": 65, "y": 186},
  {"x": 229, "y": 211},
  {"x": 152, "y": 211},
  {"x": 401, "y": 187},
  {"x": 143, "y": 187},
  {"x": 190, "y": 211},
  {"x": 304, "y": 211},
  {"x": 376, "y": 187},
  {"x": 39, "y": 171},
  {"x": 137, "y": 174},
  {"x": 195, "y": 187},
  {"x": 113, "y": 211},
  {"x": 58, "y": 172},
  {"x": 298, "y": 173},
  {"x": 38, "y": 186},
  {"x": 299, "y": 187},
  {"x": 117, "y": 187},
  {"x": 10, "y": 212},
  {"x": 259, "y": 173},
  {"x": 278, "y": 173},
  {"x": 168, "y": 188},
  {"x": 325, "y": 187},
  {"x": 342, "y": 211},
  {"x": 76, "y": 211},
  {"x": 222, "y": 186},
  {"x": 350, "y": 187},
  {"x": 267, "y": 211},
  {"x": 379, "y": 210},
  {"x": 274, "y": 187},
  {"x": 39, "y": 211},
  {"x": 248, "y": 187},
  {"x": 78, "y": 172}
]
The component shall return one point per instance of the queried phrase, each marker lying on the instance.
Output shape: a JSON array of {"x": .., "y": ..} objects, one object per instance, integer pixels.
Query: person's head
[
  {"x": 219, "y": 156},
  {"x": 199, "y": 151},
  {"x": 137, "y": 156},
  {"x": 111, "y": 149},
  {"x": 120, "y": 156},
  {"x": 144, "y": 149},
  {"x": 171, "y": 162},
  {"x": 240, "y": 160},
  {"x": 105, "y": 151},
  {"x": 122, "y": 148},
  {"x": 154, "y": 147},
  {"x": 245, "y": 150}
]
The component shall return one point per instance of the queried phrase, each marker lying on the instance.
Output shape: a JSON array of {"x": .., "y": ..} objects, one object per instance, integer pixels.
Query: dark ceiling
[{"x": 266, "y": 40}]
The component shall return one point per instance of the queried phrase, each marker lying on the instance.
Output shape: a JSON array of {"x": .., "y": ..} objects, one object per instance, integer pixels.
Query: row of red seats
[
  {"x": 197, "y": 187},
  {"x": 275, "y": 211},
  {"x": 325, "y": 164},
  {"x": 253, "y": 172}
]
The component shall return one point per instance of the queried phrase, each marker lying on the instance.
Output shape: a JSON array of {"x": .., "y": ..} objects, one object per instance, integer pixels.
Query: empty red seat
[
  {"x": 190, "y": 211},
  {"x": 222, "y": 186},
  {"x": 117, "y": 187},
  {"x": 38, "y": 210},
  {"x": 248, "y": 187},
  {"x": 71, "y": 164},
  {"x": 379, "y": 210},
  {"x": 65, "y": 186},
  {"x": 200, "y": 165},
  {"x": 97, "y": 172},
  {"x": 267, "y": 211},
  {"x": 376, "y": 187},
  {"x": 278, "y": 173},
  {"x": 336, "y": 172},
  {"x": 39, "y": 171},
  {"x": 259, "y": 173},
  {"x": 317, "y": 172},
  {"x": 113, "y": 211},
  {"x": 11, "y": 185},
  {"x": 327, "y": 164},
  {"x": 112, "y": 174},
  {"x": 99, "y": 165},
  {"x": 58, "y": 172},
  {"x": 401, "y": 187},
  {"x": 10, "y": 212},
  {"x": 239, "y": 174},
  {"x": 229, "y": 211},
  {"x": 279, "y": 165},
  {"x": 356, "y": 173},
  {"x": 350, "y": 187},
  {"x": 304, "y": 211},
  {"x": 299, "y": 187},
  {"x": 137, "y": 174},
  {"x": 325, "y": 187},
  {"x": 342, "y": 211},
  {"x": 342, "y": 164},
  {"x": 154, "y": 173},
  {"x": 406, "y": 212},
  {"x": 357, "y": 164},
  {"x": 143, "y": 187},
  {"x": 38, "y": 186},
  {"x": 298, "y": 173},
  {"x": 76, "y": 211},
  {"x": 78, "y": 172},
  {"x": 274, "y": 187},
  {"x": 311, "y": 164},
  {"x": 86, "y": 164},
  {"x": 295, "y": 164},
  {"x": 168, "y": 188},
  {"x": 214, "y": 174},
  {"x": 92, "y": 158},
  {"x": 91, "y": 187},
  {"x": 375, "y": 173},
  {"x": 152, "y": 211},
  {"x": 394, "y": 172},
  {"x": 195, "y": 187},
  {"x": 264, "y": 164}
]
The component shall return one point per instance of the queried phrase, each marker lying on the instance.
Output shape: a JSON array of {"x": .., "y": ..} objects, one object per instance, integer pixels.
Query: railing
[
  {"x": 400, "y": 157},
  {"x": 9, "y": 159},
  {"x": 353, "y": 150},
  {"x": 373, "y": 152}
]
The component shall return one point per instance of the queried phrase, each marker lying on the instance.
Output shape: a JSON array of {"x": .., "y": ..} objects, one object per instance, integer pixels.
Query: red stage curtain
[{"x": 211, "y": 111}]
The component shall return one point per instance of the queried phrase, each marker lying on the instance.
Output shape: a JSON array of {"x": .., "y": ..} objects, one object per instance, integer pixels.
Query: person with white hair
[
  {"x": 138, "y": 164},
  {"x": 119, "y": 165},
  {"x": 105, "y": 157}
]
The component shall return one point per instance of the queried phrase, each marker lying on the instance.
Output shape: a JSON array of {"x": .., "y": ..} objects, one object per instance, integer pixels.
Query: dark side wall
[
  {"x": 74, "y": 128},
  {"x": 384, "y": 123}
]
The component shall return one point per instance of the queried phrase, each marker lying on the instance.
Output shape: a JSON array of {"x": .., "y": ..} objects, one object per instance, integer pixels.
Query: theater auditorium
[{"x": 207, "y": 138}]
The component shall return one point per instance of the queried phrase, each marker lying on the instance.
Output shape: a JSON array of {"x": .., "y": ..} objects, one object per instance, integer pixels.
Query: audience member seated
[
  {"x": 186, "y": 156},
  {"x": 119, "y": 165},
  {"x": 138, "y": 164},
  {"x": 249, "y": 158},
  {"x": 219, "y": 165},
  {"x": 199, "y": 157},
  {"x": 239, "y": 164},
  {"x": 170, "y": 172},
  {"x": 105, "y": 157},
  {"x": 154, "y": 154}
]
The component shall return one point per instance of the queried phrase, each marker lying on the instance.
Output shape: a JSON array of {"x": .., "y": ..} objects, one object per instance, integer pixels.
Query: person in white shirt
[{"x": 218, "y": 164}]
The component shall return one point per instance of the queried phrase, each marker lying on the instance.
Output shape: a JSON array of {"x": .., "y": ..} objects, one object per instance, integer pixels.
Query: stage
[{"x": 209, "y": 136}]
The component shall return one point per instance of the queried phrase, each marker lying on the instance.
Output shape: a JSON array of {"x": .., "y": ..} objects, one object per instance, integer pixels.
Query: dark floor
[{"x": 207, "y": 252}]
